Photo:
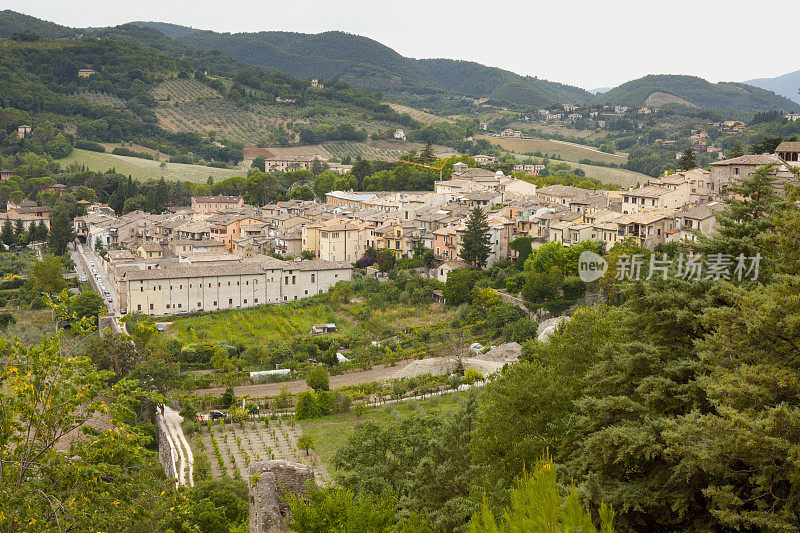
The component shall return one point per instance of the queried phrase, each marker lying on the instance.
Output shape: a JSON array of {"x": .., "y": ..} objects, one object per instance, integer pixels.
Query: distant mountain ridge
[
  {"x": 364, "y": 62},
  {"x": 787, "y": 85}
]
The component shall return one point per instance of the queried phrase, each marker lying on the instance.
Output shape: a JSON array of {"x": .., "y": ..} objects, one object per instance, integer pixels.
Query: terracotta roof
[
  {"x": 788, "y": 146},
  {"x": 760, "y": 160},
  {"x": 224, "y": 199}
]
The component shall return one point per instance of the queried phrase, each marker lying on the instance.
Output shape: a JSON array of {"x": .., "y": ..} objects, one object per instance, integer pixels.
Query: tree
[
  {"x": 521, "y": 245},
  {"x": 441, "y": 481},
  {"x": 303, "y": 192},
  {"x": 46, "y": 393},
  {"x": 228, "y": 398},
  {"x": 19, "y": 231},
  {"x": 736, "y": 151},
  {"x": 307, "y": 406},
  {"x": 87, "y": 304},
  {"x": 537, "y": 504},
  {"x": 26, "y": 35},
  {"x": 318, "y": 378},
  {"x": 427, "y": 153},
  {"x": 284, "y": 398},
  {"x": 687, "y": 160},
  {"x": 529, "y": 408},
  {"x": 476, "y": 241},
  {"x": 61, "y": 233},
  {"x": 213, "y": 506},
  {"x": 386, "y": 260},
  {"x": 48, "y": 275},
  {"x": 459, "y": 285},
  {"x": 361, "y": 170},
  {"x": 305, "y": 442},
  {"x": 259, "y": 163},
  {"x": 7, "y": 234},
  {"x": 335, "y": 509},
  {"x": 751, "y": 214},
  {"x": 114, "y": 353}
]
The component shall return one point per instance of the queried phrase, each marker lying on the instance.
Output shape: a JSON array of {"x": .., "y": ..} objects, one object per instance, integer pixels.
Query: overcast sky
[{"x": 589, "y": 43}]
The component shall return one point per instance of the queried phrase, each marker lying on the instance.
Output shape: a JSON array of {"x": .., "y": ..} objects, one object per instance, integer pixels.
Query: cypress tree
[{"x": 475, "y": 247}]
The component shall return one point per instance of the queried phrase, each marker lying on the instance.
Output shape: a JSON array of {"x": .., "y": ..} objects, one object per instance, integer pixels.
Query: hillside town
[{"x": 221, "y": 253}]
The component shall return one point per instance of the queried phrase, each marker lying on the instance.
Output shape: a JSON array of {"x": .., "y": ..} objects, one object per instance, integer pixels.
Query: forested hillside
[
  {"x": 366, "y": 63},
  {"x": 697, "y": 91}
]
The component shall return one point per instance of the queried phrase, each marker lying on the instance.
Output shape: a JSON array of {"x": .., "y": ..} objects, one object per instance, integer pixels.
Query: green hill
[
  {"x": 12, "y": 22},
  {"x": 367, "y": 63},
  {"x": 474, "y": 79},
  {"x": 170, "y": 30},
  {"x": 699, "y": 92}
]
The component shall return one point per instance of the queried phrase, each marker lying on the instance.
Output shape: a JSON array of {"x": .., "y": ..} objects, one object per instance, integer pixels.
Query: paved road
[
  {"x": 378, "y": 373},
  {"x": 86, "y": 259}
]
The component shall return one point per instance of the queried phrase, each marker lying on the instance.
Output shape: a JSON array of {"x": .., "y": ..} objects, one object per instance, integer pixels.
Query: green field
[
  {"x": 256, "y": 325},
  {"x": 419, "y": 115},
  {"x": 564, "y": 150},
  {"x": 331, "y": 432},
  {"x": 620, "y": 176},
  {"x": 144, "y": 169},
  {"x": 283, "y": 322},
  {"x": 557, "y": 129}
]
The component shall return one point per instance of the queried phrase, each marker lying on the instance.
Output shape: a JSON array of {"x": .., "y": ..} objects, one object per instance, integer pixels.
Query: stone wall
[
  {"x": 269, "y": 481},
  {"x": 167, "y": 455}
]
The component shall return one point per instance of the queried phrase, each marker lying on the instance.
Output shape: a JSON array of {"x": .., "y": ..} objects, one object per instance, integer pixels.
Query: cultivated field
[
  {"x": 620, "y": 176},
  {"x": 566, "y": 151},
  {"x": 143, "y": 169},
  {"x": 419, "y": 115},
  {"x": 374, "y": 150},
  {"x": 257, "y": 326},
  {"x": 231, "y": 447},
  {"x": 179, "y": 90}
]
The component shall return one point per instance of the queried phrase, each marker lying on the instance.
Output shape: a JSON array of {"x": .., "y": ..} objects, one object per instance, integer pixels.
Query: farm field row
[
  {"x": 374, "y": 150},
  {"x": 231, "y": 447},
  {"x": 144, "y": 169}
]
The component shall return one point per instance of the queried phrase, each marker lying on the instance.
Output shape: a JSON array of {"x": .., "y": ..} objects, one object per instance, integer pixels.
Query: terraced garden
[{"x": 231, "y": 447}]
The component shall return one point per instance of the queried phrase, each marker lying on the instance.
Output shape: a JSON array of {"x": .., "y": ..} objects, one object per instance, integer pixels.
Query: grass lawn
[
  {"x": 331, "y": 432},
  {"x": 144, "y": 169}
]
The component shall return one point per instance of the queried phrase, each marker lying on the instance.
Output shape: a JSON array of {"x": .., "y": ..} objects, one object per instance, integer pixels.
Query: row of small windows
[{"x": 219, "y": 284}]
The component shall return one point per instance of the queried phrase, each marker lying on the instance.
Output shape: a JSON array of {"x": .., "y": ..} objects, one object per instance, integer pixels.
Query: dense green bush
[{"x": 89, "y": 145}]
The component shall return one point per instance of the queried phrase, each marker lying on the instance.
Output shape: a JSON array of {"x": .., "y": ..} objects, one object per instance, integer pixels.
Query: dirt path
[
  {"x": 377, "y": 373},
  {"x": 173, "y": 422}
]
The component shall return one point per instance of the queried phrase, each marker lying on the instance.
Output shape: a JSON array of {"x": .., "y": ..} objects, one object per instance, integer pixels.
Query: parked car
[
  {"x": 216, "y": 415},
  {"x": 84, "y": 279}
]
